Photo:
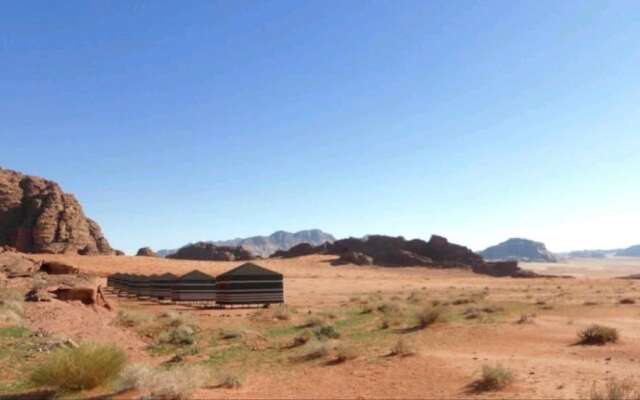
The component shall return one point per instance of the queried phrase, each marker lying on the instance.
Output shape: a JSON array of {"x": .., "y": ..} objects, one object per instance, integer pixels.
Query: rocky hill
[
  {"x": 209, "y": 252},
  {"x": 264, "y": 246},
  {"x": 36, "y": 216},
  {"x": 519, "y": 250},
  {"x": 633, "y": 251}
]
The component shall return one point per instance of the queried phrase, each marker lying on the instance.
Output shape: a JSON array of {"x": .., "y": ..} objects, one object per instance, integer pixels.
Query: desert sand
[{"x": 542, "y": 352}]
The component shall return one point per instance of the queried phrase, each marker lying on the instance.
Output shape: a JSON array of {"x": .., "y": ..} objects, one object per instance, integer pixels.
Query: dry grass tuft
[
  {"x": 131, "y": 319},
  {"x": 402, "y": 348},
  {"x": 493, "y": 378},
  {"x": 597, "y": 335},
  {"x": 231, "y": 381},
  {"x": 81, "y": 368},
  {"x": 616, "y": 390},
  {"x": 182, "y": 335},
  {"x": 175, "y": 384},
  {"x": 428, "y": 316},
  {"x": 345, "y": 352}
]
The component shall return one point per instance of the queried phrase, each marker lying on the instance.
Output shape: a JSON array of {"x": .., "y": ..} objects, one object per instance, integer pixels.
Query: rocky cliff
[
  {"x": 36, "y": 216},
  {"x": 210, "y": 252}
]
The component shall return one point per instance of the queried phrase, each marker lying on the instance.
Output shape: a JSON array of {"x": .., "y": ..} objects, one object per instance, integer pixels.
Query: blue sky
[{"x": 181, "y": 121}]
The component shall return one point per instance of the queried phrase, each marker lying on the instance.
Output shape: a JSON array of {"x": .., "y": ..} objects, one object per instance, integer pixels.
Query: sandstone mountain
[
  {"x": 389, "y": 251},
  {"x": 209, "y": 252},
  {"x": 264, "y": 246},
  {"x": 633, "y": 251},
  {"x": 36, "y": 216},
  {"x": 519, "y": 250}
]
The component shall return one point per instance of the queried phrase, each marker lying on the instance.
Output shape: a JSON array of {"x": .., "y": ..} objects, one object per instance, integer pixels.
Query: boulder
[
  {"x": 58, "y": 268},
  {"x": 210, "y": 252},
  {"x": 119, "y": 252},
  {"x": 36, "y": 216},
  {"x": 38, "y": 295},
  {"x": 146, "y": 252},
  {"x": 519, "y": 250},
  {"x": 85, "y": 295}
]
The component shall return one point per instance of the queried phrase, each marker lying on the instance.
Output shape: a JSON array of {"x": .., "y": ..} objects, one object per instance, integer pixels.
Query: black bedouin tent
[
  {"x": 194, "y": 286},
  {"x": 249, "y": 284},
  {"x": 161, "y": 286},
  {"x": 144, "y": 285}
]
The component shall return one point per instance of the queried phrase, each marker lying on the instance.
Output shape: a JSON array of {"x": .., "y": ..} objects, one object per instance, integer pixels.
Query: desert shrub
[
  {"x": 173, "y": 319},
  {"x": 615, "y": 390},
  {"x": 388, "y": 308},
  {"x": 366, "y": 309},
  {"x": 493, "y": 378},
  {"x": 525, "y": 319},
  {"x": 627, "y": 301},
  {"x": 345, "y": 353},
  {"x": 176, "y": 383},
  {"x": 228, "y": 334},
  {"x": 84, "y": 367},
  {"x": 313, "y": 351},
  {"x": 427, "y": 316},
  {"x": 130, "y": 319},
  {"x": 11, "y": 307},
  {"x": 181, "y": 335},
  {"x": 402, "y": 348},
  {"x": 132, "y": 375},
  {"x": 302, "y": 338},
  {"x": 415, "y": 297},
  {"x": 231, "y": 381},
  {"x": 281, "y": 312},
  {"x": 597, "y": 335},
  {"x": 326, "y": 332},
  {"x": 311, "y": 322},
  {"x": 462, "y": 301}
]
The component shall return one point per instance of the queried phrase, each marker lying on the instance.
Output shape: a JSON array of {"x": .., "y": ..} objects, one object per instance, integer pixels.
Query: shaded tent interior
[
  {"x": 194, "y": 286},
  {"x": 249, "y": 284}
]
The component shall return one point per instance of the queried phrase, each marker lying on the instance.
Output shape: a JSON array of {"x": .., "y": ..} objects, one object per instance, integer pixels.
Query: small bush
[
  {"x": 627, "y": 301},
  {"x": 493, "y": 378},
  {"x": 132, "y": 375},
  {"x": 176, "y": 383},
  {"x": 402, "y": 348},
  {"x": 281, "y": 312},
  {"x": 179, "y": 336},
  {"x": 130, "y": 319},
  {"x": 366, "y": 309},
  {"x": 11, "y": 307},
  {"x": 228, "y": 334},
  {"x": 173, "y": 319},
  {"x": 415, "y": 298},
  {"x": 427, "y": 316},
  {"x": 388, "y": 308},
  {"x": 231, "y": 381},
  {"x": 302, "y": 338},
  {"x": 525, "y": 319},
  {"x": 314, "y": 351},
  {"x": 346, "y": 353},
  {"x": 616, "y": 390},
  {"x": 462, "y": 301},
  {"x": 597, "y": 335},
  {"x": 326, "y": 332},
  {"x": 312, "y": 322},
  {"x": 84, "y": 367}
]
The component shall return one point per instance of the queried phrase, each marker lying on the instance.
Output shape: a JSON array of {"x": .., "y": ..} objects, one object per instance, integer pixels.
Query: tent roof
[
  {"x": 167, "y": 277},
  {"x": 249, "y": 269},
  {"x": 196, "y": 275}
]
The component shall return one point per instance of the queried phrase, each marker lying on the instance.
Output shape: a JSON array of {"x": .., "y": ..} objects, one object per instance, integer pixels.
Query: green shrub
[
  {"x": 231, "y": 381},
  {"x": 597, "y": 335},
  {"x": 493, "y": 378},
  {"x": 326, "y": 332},
  {"x": 84, "y": 367},
  {"x": 314, "y": 351},
  {"x": 130, "y": 319}
]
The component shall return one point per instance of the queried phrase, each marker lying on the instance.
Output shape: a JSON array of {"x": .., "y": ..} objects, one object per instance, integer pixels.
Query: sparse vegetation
[
  {"x": 231, "y": 381},
  {"x": 85, "y": 367},
  {"x": 176, "y": 383},
  {"x": 313, "y": 351},
  {"x": 302, "y": 338},
  {"x": 493, "y": 378},
  {"x": 428, "y": 316},
  {"x": 131, "y": 319},
  {"x": 345, "y": 352},
  {"x": 402, "y": 348},
  {"x": 281, "y": 312},
  {"x": 616, "y": 390},
  {"x": 11, "y": 307},
  {"x": 597, "y": 335},
  {"x": 326, "y": 332},
  {"x": 313, "y": 321},
  {"x": 182, "y": 335}
]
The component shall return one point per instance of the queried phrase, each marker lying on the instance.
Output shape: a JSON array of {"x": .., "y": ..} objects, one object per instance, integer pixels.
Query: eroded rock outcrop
[
  {"x": 208, "y": 251},
  {"x": 519, "y": 250},
  {"x": 36, "y": 216},
  {"x": 146, "y": 252}
]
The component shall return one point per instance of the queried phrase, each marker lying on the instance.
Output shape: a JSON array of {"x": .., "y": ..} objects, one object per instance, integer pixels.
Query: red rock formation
[
  {"x": 36, "y": 216},
  {"x": 208, "y": 251}
]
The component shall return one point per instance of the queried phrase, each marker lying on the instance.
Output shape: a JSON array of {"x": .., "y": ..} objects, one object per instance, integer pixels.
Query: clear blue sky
[{"x": 478, "y": 120}]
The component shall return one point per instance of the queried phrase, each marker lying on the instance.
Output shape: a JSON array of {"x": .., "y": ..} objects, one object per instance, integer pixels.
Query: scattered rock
[
  {"x": 353, "y": 257},
  {"x": 15, "y": 265},
  {"x": 36, "y": 216},
  {"x": 146, "y": 252}
]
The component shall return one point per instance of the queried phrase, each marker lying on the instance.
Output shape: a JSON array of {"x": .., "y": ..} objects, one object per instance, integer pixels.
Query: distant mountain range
[
  {"x": 264, "y": 246},
  {"x": 519, "y": 250}
]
